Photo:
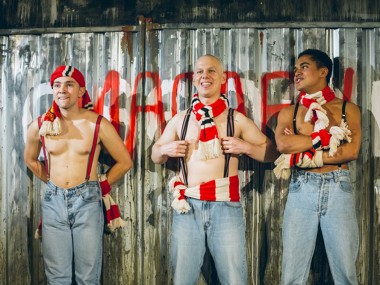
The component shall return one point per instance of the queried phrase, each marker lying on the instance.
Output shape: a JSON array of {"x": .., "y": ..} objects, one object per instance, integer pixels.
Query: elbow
[
  {"x": 282, "y": 147},
  {"x": 128, "y": 165},
  {"x": 354, "y": 155},
  {"x": 125, "y": 166}
]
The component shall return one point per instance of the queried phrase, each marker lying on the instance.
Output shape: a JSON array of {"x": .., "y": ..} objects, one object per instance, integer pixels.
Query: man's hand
[
  {"x": 234, "y": 145},
  {"x": 175, "y": 149}
]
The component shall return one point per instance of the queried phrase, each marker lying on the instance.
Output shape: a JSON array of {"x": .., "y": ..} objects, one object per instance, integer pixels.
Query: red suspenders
[{"x": 90, "y": 156}]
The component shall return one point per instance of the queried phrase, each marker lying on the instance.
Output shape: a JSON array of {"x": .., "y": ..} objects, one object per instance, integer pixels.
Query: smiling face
[
  {"x": 208, "y": 78},
  {"x": 308, "y": 77},
  {"x": 66, "y": 92}
]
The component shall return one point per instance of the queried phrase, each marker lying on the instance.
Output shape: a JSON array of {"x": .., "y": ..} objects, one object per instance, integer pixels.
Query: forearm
[
  {"x": 117, "y": 171},
  {"x": 265, "y": 152},
  {"x": 157, "y": 154},
  {"x": 345, "y": 153},
  {"x": 293, "y": 143},
  {"x": 38, "y": 169}
]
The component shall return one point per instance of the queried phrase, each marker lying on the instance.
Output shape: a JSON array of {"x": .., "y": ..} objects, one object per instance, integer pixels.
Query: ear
[
  {"x": 324, "y": 71},
  {"x": 224, "y": 78},
  {"x": 82, "y": 90}
]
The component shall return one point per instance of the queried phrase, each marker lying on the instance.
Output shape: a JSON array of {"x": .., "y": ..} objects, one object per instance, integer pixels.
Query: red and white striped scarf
[
  {"x": 209, "y": 144},
  {"x": 222, "y": 189},
  {"x": 314, "y": 103}
]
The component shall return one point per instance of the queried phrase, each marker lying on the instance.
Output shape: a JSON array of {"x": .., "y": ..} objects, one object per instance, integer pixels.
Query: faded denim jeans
[
  {"x": 222, "y": 224},
  {"x": 72, "y": 230},
  {"x": 324, "y": 199}
]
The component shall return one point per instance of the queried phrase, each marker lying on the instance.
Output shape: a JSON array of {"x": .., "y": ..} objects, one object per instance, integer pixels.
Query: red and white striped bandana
[
  {"x": 222, "y": 189},
  {"x": 51, "y": 120},
  {"x": 209, "y": 144}
]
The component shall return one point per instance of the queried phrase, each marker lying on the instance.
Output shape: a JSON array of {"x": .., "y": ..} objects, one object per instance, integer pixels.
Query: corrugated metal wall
[{"x": 139, "y": 78}]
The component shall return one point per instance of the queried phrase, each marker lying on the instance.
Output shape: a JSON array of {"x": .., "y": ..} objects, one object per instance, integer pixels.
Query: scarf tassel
[
  {"x": 51, "y": 128},
  {"x": 209, "y": 149}
]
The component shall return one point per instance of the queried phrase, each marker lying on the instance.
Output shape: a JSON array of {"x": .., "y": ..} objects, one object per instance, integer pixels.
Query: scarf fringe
[
  {"x": 179, "y": 203},
  {"x": 338, "y": 135},
  {"x": 210, "y": 149},
  {"x": 49, "y": 128}
]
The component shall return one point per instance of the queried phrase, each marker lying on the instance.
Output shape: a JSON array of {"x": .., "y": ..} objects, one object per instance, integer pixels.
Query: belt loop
[
  {"x": 336, "y": 175},
  {"x": 305, "y": 176}
]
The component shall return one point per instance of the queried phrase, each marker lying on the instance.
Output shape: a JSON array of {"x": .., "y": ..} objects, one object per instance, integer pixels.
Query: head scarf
[{"x": 51, "y": 124}]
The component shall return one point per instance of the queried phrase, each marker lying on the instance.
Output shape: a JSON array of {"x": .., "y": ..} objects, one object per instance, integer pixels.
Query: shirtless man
[
  {"x": 206, "y": 196},
  {"x": 72, "y": 214},
  {"x": 317, "y": 145}
]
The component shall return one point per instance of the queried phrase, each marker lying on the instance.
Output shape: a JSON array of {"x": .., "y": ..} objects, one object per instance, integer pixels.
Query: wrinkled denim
[
  {"x": 223, "y": 226},
  {"x": 72, "y": 230},
  {"x": 324, "y": 199}
]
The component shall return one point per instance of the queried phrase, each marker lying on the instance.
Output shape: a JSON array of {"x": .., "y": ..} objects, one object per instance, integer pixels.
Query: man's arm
[
  {"x": 286, "y": 140},
  {"x": 32, "y": 151},
  {"x": 115, "y": 147},
  {"x": 168, "y": 144},
  {"x": 348, "y": 151},
  {"x": 252, "y": 141}
]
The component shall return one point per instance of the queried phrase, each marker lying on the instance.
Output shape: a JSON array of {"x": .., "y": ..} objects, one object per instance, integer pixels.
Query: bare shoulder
[
  {"x": 288, "y": 110},
  {"x": 177, "y": 119},
  {"x": 352, "y": 108}
]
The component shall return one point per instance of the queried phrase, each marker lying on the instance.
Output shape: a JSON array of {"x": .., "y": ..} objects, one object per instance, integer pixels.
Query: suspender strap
[
  {"x": 182, "y": 163},
  {"x": 230, "y": 133},
  {"x": 42, "y": 138},
  {"x": 344, "y": 111},
  {"x": 93, "y": 148},
  {"x": 343, "y": 118},
  {"x": 295, "y": 117}
]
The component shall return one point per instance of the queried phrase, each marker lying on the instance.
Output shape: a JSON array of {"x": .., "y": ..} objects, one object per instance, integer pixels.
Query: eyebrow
[{"x": 68, "y": 81}]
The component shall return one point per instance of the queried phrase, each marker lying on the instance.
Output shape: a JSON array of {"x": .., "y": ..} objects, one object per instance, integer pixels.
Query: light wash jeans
[
  {"x": 72, "y": 229},
  {"x": 324, "y": 199},
  {"x": 222, "y": 224}
]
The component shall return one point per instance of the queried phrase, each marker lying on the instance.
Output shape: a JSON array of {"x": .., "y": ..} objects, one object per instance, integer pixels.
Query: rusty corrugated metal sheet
[{"x": 139, "y": 78}]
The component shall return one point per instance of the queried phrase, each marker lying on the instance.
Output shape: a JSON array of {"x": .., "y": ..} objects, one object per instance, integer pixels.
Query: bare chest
[{"x": 75, "y": 139}]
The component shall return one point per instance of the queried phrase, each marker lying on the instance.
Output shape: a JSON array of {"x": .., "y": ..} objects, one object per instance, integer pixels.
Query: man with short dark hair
[{"x": 317, "y": 137}]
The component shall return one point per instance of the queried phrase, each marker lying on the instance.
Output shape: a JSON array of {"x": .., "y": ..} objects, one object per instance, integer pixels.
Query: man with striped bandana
[
  {"x": 71, "y": 137},
  {"x": 208, "y": 139}
]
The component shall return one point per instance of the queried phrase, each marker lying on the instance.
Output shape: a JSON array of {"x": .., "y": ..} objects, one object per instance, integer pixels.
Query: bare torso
[
  {"x": 69, "y": 152},
  {"x": 200, "y": 171}
]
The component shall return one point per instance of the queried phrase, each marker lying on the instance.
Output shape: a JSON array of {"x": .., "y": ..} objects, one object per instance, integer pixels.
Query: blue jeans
[
  {"x": 320, "y": 199},
  {"x": 222, "y": 224},
  {"x": 72, "y": 230}
]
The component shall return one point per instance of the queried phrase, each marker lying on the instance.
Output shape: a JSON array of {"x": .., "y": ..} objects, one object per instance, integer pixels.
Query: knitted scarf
[
  {"x": 221, "y": 189},
  {"x": 209, "y": 144},
  {"x": 314, "y": 103},
  {"x": 321, "y": 138}
]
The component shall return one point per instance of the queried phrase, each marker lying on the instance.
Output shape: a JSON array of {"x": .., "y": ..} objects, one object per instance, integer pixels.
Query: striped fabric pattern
[
  {"x": 209, "y": 144},
  {"x": 222, "y": 189}
]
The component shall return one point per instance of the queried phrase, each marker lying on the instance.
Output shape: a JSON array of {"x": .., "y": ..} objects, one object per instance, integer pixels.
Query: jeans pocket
[
  {"x": 345, "y": 184},
  {"x": 90, "y": 195},
  {"x": 295, "y": 185},
  {"x": 47, "y": 196}
]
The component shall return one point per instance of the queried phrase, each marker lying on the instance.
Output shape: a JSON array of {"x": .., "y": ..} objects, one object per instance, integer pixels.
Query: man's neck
[
  {"x": 208, "y": 100},
  {"x": 314, "y": 89},
  {"x": 70, "y": 114}
]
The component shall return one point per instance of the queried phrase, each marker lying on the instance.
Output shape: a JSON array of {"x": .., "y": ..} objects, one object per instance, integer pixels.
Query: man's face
[
  {"x": 66, "y": 92},
  {"x": 307, "y": 76},
  {"x": 208, "y": 77}
]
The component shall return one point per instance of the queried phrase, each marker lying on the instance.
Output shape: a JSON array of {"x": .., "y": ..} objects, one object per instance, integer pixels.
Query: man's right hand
[{"x": 175, "y": 149}]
